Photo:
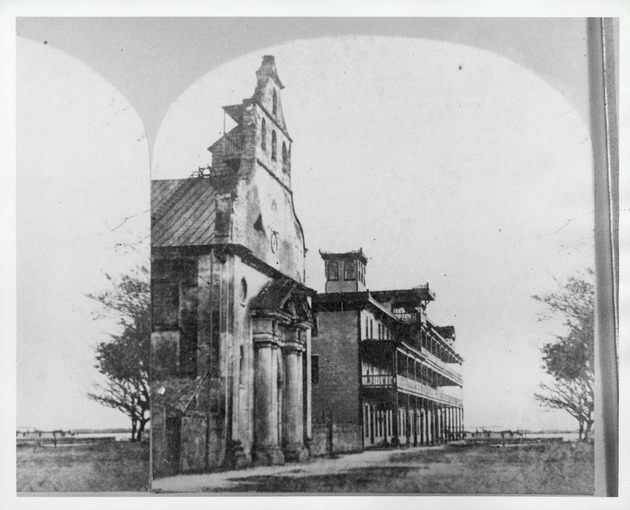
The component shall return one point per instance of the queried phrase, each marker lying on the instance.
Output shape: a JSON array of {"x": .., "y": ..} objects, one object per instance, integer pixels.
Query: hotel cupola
[{"x": 345, "y": 272}]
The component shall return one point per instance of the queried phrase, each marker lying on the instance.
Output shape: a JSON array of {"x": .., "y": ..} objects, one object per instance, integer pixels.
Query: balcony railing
[
  {"x": 408, "y": 316},
  {"x": 422, "y": 390},
  {"x": 409, "y": 385},
  {"x": 377, "y": 381},
  {"x": 440, "y": 366}
]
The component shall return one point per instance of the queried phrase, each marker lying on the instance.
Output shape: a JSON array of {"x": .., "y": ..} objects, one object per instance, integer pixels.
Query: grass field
[
  {"x": 563, "y": 468},
  {"x": 94, "y": 467}
]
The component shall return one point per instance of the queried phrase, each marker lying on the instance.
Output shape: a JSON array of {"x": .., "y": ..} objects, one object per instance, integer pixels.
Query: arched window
[
  {"x": 263, "y": 135},
  {"x": 284, "y": 154},
  {"x": 333, "y": 270},
  {"x": 243, "y": 290},
  {"x": 274, "y": 143},
  {"x": 275, "y": 103},
  {"x": 349, "y": 272}
]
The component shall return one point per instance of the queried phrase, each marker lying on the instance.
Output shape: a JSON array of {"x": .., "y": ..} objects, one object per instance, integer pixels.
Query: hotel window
[
  {"x": 367, "y": 328},
  {"x": 349, "y": 270},
  {"x": 284, "y": 155},
  {"x": 263, "y": 135},
  {"x": 371, "y": 329},
  {"x": 333, "y": 270},
  {"x": 274, "y": 145}
]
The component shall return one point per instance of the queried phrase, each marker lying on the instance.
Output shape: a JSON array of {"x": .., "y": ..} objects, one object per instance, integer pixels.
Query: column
[
  {"x": 421, "y": 419},
  {"x": 294, "y": 449},
  {"x": 449, "y": 424},
  {"x": 416, "y": 421},
  {"x": 266, "y": 449}
]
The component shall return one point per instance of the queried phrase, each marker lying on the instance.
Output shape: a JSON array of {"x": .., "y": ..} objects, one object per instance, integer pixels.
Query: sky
[{"x": 456, "y": 153}]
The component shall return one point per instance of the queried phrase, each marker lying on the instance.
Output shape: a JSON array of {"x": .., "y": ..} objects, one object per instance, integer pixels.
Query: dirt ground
[
  {"x": 564, "y": 468},
  {"x": 117, "y": 466}
]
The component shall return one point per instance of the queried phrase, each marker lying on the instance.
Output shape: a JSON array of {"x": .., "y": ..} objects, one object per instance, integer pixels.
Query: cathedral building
[
  {"x": 383, "y": 373},
  {"x": 231, "y": 332}
]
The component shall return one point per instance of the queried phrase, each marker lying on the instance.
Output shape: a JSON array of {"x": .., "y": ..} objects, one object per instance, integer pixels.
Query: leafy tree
[
  {"x": 569, "y": 360},
  {"x": 124, "y": 359}
]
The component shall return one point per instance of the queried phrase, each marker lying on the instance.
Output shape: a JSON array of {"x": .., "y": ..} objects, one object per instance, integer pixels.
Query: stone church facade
[{"x": 231, "y": 333}]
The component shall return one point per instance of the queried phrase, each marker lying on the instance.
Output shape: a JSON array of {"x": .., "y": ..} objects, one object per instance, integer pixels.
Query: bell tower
[
  {"x": 251, "y": 169},
  {"x": 273, "y": 143},
  {"x": 345, "y": 272}
]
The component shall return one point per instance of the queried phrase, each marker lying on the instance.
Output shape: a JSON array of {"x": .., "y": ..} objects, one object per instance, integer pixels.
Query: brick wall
[
  {"x": 337, "y": 391},
  {"x": 345, "y": 438}
]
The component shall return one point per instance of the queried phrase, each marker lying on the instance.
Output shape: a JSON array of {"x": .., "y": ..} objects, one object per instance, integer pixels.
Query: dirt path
[{"x": 319, "y": 466}]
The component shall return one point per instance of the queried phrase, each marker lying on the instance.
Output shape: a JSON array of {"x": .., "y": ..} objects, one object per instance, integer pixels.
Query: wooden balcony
[
  {"x": 439, "y": 366},
  {"x": 422, "y": 390},
  {"x": 377, "y": 381},
  {"x": 409, "y": 317},
  {"x": 405, "y": 384}
]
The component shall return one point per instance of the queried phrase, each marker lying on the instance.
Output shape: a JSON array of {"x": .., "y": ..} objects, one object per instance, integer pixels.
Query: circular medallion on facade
[{"x": 274, "y": 242}]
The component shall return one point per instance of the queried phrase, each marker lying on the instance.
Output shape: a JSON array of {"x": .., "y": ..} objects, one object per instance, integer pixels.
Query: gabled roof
[
  {"x": 277, "y": 293},
  {"x": 183, "y": 212},
  {"x": 274, "y": 295}
]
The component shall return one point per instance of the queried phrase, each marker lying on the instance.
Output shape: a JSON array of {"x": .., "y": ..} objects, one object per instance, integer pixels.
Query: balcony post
[
  {"x": 427, "y": 422},
  {"x": 449, "y": 424},
  {"x": 415, "y": 415},
  {"x": 445, "y": 420},
  {"x": 436, "y": 423},
  {"x": 431, "y": 423},
  {"x": 457, "y": 424},
  {"x": 422, "y": 418},
  {"x": 395, "y": 439},
  {"x": 438, "y": 416},
  {"x": 455, "y": 428}
]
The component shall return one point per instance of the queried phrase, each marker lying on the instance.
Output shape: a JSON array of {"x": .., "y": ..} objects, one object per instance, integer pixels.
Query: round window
[{"x": 274, "y": 242}]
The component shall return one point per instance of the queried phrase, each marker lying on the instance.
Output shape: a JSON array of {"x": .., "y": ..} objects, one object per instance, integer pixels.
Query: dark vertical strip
[
  {"x": 209, "y": 362},
  {"x": 359, "y": 380},
  {"x": 604, "y": 135}
]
